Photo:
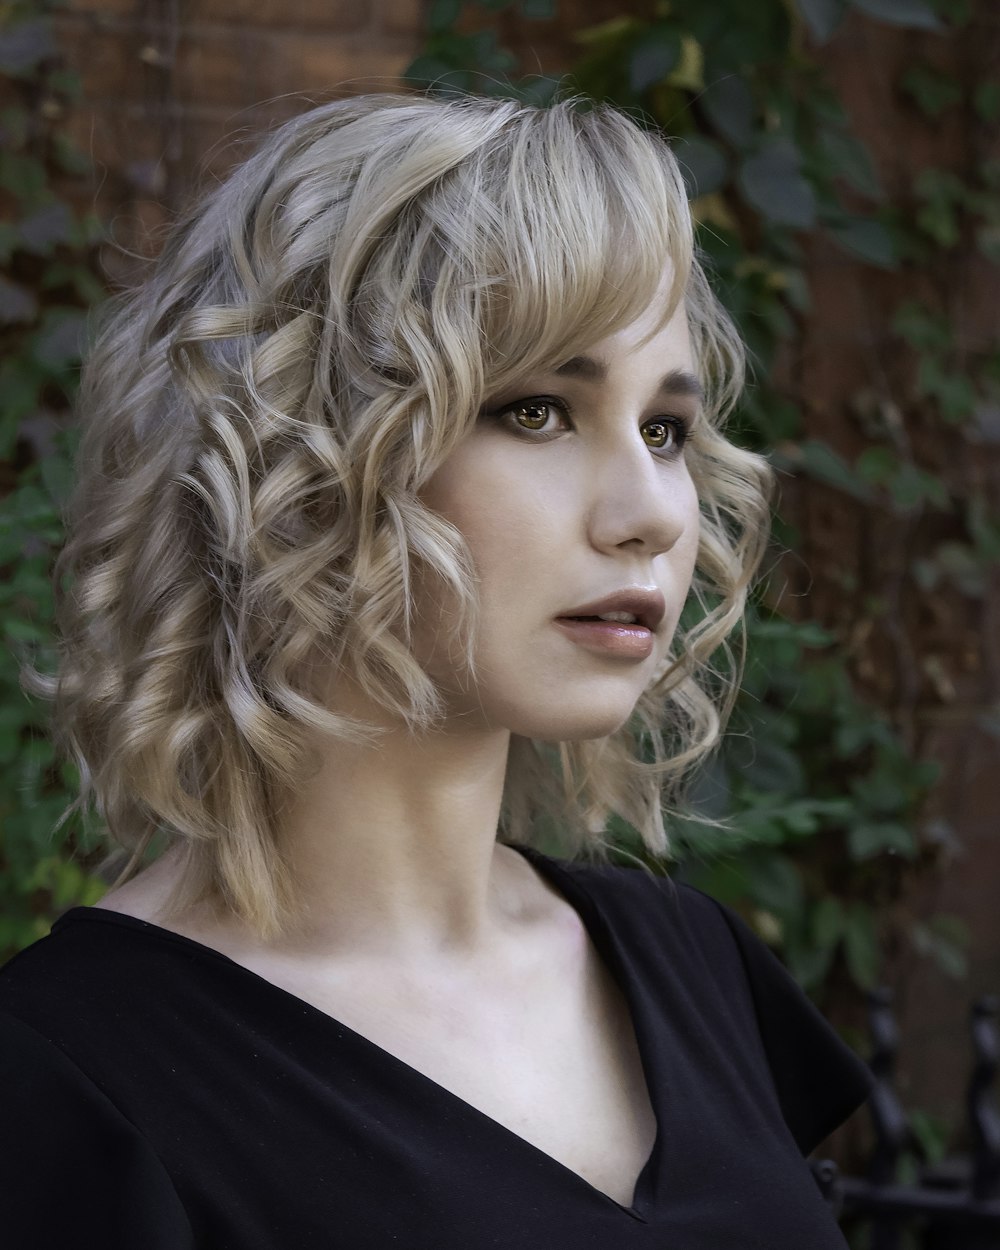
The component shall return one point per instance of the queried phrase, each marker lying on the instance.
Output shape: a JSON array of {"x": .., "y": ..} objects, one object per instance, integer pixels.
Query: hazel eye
[
  {"x": 533, "y": 414},
  {"x": 662, "y": 434},
  {"x": 540, "y": 415}
]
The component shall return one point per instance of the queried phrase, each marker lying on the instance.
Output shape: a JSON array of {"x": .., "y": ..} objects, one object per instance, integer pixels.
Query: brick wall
[
  {"x": 167, "y": 84},
  {"x": 172, "y": 87}
]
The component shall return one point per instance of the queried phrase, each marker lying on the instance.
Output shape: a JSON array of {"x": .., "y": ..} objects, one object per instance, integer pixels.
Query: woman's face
[{"x": 574, "y": 498}]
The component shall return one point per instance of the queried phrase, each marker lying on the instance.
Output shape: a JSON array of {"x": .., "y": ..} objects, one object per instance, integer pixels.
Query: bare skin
[{"x": 415, "y": 927}]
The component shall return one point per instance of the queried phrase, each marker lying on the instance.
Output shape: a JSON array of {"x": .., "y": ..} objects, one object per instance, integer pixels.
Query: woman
[{"x": 396, "y": 477}]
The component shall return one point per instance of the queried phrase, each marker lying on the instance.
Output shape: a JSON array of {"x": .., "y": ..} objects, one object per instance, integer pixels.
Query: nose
[{"x": 639, "y": 502}]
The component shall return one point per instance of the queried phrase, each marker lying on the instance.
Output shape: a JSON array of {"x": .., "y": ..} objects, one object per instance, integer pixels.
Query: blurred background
[{"x": 843, "y": 158}]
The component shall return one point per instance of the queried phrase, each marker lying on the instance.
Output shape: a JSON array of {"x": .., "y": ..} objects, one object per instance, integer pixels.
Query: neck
[{"x": 393, "y": 847}]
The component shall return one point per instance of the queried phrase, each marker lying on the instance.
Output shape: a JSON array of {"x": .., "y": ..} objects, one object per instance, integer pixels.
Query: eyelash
[{"x": 679, "y": 426}]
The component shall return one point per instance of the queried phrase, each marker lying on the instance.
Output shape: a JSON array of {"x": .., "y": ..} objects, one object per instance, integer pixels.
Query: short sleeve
[
  {"x": 73, "y": 1170},
  {"x": 819, "y": 1080}
]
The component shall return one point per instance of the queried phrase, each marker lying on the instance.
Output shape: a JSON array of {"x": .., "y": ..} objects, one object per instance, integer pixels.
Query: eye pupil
[
  {"x": 532, "y": 416},
  {"x": 657, "y": 433}
]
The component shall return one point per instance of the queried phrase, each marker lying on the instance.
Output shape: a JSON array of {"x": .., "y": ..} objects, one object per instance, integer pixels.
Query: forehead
[
  {"x": 647, "y": 342},
  {"x": 657, "y": 336}
]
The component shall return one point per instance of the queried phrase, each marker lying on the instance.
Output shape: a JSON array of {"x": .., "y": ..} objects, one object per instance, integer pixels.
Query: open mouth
[
  {"x": 635, "y": 610},
  {"x": 610, "y": 618}
]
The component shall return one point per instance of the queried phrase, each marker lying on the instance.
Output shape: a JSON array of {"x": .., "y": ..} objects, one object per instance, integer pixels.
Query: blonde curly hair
[{"x": 258, "y": 419}]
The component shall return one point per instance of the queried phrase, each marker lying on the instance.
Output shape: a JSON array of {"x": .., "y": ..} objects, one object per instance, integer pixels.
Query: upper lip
[{"x": 647, "y": 605}]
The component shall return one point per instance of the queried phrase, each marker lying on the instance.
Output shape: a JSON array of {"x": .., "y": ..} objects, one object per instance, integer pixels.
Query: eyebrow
[{"x": 676, "y": 382}]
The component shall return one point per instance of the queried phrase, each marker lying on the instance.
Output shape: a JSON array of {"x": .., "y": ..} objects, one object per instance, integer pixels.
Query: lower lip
[{"x": 631, "y": 642}]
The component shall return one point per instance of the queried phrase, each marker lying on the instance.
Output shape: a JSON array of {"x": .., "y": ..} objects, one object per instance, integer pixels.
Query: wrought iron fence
[{"x": 953, "y": 1204}]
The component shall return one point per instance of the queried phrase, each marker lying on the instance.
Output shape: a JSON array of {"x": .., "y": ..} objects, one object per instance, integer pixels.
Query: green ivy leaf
[
  {"x": 14, "y": 127},
  {"x": 9, "y": 240},
  {"x": 822, "y": 16},
  {"x": 47, "y": 226},
  {"x": 808, "y": 964},
  {"x": 867, "y": 841},
  {"x": 847, "y": 157},
  {"x": 960, "y": 564},
  {"x": 774, "y": 883},
  {"x": 772, "y": 181},
  {"x": 826, "y": 465},
  {"x": 944, "y": 196},
  {"x": 729, "y": 105},
  {"x": 988, "y": 243},
  {"x": 938, "y": 219},
  {"x": 954, "y": 392},
  {"x": 827, "y": 922},
  {"x": 947, "y": 950},
  {"x": 60, "y": 338},
  {"x": 986, "y": 100},
  {"x": 704, "y": 164},
  {"x": 767, "y": 765},
  {"x": 882, "y": 791},
  {"x": 12, "y": 722},
  {"x": 18, "y": 304},
  {"x": 25, "y": 46},
  {"x": 443, "y": 14},
  {"x": 428, "y": 71},
  {"x": 653, "y": 56},
  {"x": 538, "y": 10},
  {"x": 983, "y": 528},
  {"x": 876, "y": 464},
  {"x": 24, "y": 176},
  {"x": 22, "y": 631},
  {"x": 57, "y": 475},
  {"x": 861, "y": 946},
  {"x": 868, "y": 239},
  {"x": 919, "y": 326},
  {"x": 933, "y": 91},
  {"x": 539, "y": 90},
  {"x": 913, "y": 14},
  {"x": 911, "y": 486},
  {"x": 855, "y": 733}
]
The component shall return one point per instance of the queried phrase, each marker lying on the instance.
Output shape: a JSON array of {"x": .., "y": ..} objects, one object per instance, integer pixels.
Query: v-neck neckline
[{"x": 608, "y": 952}]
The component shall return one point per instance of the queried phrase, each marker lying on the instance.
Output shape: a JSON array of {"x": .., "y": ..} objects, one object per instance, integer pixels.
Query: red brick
[
  {"x": 122, "y": 8},
  {"x": 401, "y": 17},
  {"x": 214, "y": 141},
  {"x": 107, "y": 60},
  {"x": 320, "y": 15},
  {"x": 112, "y": 137},
  {"x": 330, "y": 67},
  {"x": 233, "y": 68}
]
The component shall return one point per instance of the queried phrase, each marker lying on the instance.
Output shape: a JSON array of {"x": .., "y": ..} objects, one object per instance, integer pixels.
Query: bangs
[
  {"x": 258, "y": 420},
  {"x": 573, "y": 220},
  {"x": 549, "y": 237}
]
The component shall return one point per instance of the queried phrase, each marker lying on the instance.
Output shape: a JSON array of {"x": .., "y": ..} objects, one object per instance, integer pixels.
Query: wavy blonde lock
[{"x": 258, "y": 418}]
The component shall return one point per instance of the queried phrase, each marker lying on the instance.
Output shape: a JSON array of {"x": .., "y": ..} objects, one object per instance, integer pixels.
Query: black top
[{"x": 155, "y": 1095}]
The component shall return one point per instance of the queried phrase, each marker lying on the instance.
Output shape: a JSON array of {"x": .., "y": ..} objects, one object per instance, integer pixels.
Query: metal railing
[{"x": 950, "y": 1205}]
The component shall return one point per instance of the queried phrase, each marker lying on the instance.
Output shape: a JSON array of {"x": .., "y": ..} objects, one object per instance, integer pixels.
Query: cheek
[
  {"x": 505, "y": 516},
  {"x": 677, "y": 566},
  {"x": 692, "y": 538}
]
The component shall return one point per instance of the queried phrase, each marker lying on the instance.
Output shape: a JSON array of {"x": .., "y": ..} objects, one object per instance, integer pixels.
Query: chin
[
  {"x": 562, "y": 723},
  {"x": 547, "y": 708}
]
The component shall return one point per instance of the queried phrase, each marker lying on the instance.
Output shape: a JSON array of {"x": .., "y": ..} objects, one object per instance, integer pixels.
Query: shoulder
[
  {"x": 101, "y": 985},
  {"x": 85, "y": 939},
  {"x": 684, "y": 944},
  {"x": 60, "y": 1134},
  {"x": 647, "y": 909}
]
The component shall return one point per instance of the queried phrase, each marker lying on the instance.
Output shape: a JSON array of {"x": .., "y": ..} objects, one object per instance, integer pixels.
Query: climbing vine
[
  {"x": 48, "y": 278},
  {"x": 822, "y": 793},
  {"x": 823, "y": 797}
]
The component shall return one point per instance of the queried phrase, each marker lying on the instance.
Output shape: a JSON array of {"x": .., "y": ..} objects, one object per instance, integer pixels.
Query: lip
[
  {"x": 610, "y": 638},
  {"x": 615, "y": 638},
  {"x": 646, "y": 604}
]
